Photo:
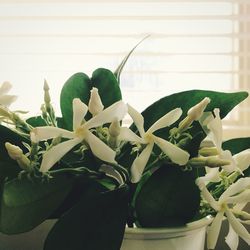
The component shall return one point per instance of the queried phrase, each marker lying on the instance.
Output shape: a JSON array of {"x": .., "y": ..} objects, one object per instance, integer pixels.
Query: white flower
[
  {"x": 95, "y": 102},
  {"x": 176, "y": 154},
  {"x": 81, "y": 132},
  {"x": 239, "y": 192},
  {"x": 6, "y": 100}
]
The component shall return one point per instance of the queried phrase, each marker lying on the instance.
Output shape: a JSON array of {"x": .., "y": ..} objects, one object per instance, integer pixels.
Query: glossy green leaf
[
  {"x": 187, "y": 99},
  {"x": 107, "y": 85},
  {"x": 237, "y": 145},
  {"x": 169, "y": 197},
  {"x": 77, "y": 86},
  {"x": 25, "y": 203},
  {"x": 96, "y": 222},
  {"x": 36, "y": 121}
]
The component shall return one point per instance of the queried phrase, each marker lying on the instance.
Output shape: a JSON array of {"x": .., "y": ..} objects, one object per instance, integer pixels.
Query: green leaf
[
  {"x": 119, "y": 69},
  {"x": 9, "y": 169},
  {"x": 187, "y": 99},
  {"x": 236, "y": 145},
  {"x": 25, "y": 203},
  {"x": 36, "y": 121},
  {"x": 96, "y": 222},
  {"x": 108, "y": 87},
  {"x": 77, "y": 86},
  {"x": 169, "y": 197}
]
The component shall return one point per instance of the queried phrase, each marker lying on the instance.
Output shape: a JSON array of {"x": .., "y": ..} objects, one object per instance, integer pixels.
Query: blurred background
[{"x": 192, "y": 45}]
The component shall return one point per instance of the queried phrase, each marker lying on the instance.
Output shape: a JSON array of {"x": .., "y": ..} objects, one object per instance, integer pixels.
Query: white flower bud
[
  {"x": 114, "y": 128},
  {"x": 33, "y": 137},
  {"x": 196, "y": 111},
  {"x": 95, "y": 102},
  {"x": 14, "y": 152}
]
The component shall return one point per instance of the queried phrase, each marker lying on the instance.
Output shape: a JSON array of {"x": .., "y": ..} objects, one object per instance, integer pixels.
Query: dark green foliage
[
  {"x": 97, "y": 221},
  {"x": 77, "y": 86},
  {"x": 169, "y": 197},
  {"x": 107, "y": 85},
  {"x": 236, "y": 145},
  {"x": 25, "y": 203}
]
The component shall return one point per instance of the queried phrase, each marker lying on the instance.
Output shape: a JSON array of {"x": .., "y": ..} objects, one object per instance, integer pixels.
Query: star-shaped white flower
[
  {"x": 6, "y": 100},
  {"x": 176, "y": 154},
  {"x": 81, "y": 132},
  {"x": 239, "y": 192}
]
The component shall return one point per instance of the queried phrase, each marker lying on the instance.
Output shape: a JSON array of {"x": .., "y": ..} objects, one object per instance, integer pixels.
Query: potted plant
[{"x": 95, "y": 178}]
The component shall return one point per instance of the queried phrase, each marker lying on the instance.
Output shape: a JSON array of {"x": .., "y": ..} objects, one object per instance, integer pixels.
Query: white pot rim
[{"x": 159, "y": 232}]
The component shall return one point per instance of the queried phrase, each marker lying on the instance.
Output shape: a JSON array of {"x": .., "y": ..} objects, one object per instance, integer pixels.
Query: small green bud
[
  {"x": 208, "y": 151},
  {"x": 47, "y": 98}
]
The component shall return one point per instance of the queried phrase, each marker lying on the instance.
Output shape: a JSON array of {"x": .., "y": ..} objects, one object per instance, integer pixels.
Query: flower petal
[
  {"x": 212, "y": 175},
  {"x": 242, "y": 159},
  {"x": 215, "y": 127},
  {"x": 138, "y": 119},
  {"x": 176, "y": 154},
  {"x": 128, "y": 135},
  {"x": 56, "y": 153},
  {"x": 80, "y": 109},
  {"x": 214, "y": 230},
  {"x": 239, "y": 198},
  {"x": 5, "y": 88},
  {"x": 6, "y": 100},
  {"x": 167, "y": 120},
  {"x": 237, "y": 226},
  {"x": 232, "y": 239},
  {"x": 99, "y": 148},
  {"x": 236, "y": 188},
  {"x": 140, "y": 162},
  {"x": 227, "y": 155},
  {"x": 47, "y": 132},
  {"x": 114, "y": 112}
]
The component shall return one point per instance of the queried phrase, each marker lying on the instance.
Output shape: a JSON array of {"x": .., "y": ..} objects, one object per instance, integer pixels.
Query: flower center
[
  {"x": 148, "y": 137},
  {"x": 81, "y": 132}
]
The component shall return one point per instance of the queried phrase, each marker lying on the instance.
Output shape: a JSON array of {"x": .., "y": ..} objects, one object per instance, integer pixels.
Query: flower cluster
[{"x": 92, "y": 133}]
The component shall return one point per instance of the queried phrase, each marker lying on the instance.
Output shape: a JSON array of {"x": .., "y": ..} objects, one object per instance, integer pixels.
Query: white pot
[{"x": 190, "y": 237}]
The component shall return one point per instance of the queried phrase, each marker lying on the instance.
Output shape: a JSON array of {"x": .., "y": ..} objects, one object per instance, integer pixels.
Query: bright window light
[{"x": 193, "y": 45}]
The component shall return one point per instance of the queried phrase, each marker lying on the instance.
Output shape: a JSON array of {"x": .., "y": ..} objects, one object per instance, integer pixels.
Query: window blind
[{"x": 192, "y": 45}]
